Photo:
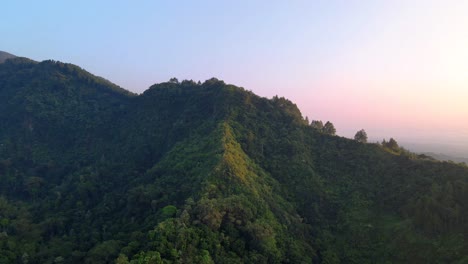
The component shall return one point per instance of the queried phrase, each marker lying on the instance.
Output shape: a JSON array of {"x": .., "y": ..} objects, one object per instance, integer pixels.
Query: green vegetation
[
  {"x": 328, "y": 128},
  {"x": 207, "y": 173},
  {"x": 361, "y": 136}
]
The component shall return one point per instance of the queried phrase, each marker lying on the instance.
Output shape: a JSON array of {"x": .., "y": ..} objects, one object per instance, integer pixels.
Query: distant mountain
[
  {"x": 453, "y": 149},
  {"x": 5, "y": 55},
  {"x": 206, "y": 173},
  {"x": 444, "y": 157}
]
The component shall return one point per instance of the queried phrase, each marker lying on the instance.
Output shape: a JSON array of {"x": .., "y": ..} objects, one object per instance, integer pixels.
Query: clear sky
[{"x": 397, "y": 68}]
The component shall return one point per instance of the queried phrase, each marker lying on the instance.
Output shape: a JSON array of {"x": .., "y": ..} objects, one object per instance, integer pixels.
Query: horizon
[{"x": 394, "y": 69}]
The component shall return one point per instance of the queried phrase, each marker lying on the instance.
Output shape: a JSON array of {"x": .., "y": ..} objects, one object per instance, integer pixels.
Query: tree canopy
[
  {"x": 391, "y": 144},
  {"x": 361, "y": 136},
  {"x": 317, "y": 124},
  {"x": 206, "y": 173},
  {"x": 329, "y": 128}
]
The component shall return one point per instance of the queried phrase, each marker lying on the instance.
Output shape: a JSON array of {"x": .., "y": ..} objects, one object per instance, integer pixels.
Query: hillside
[
  {"x": 206, "y": 173},
  {"x": 5, "y": 55}
]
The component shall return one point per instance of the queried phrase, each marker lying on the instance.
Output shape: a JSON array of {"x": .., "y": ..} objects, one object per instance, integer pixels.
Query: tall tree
[
  {"x": 329, "y": 128},
  {"x": 317, "y": 124},
  {"x": 391, "y": 144},
  {"x": 361, "y": 136}
]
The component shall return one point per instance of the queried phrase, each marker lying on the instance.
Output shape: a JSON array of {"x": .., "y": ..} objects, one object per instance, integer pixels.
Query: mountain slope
[
  {"x": 361, "y": 202},
  {"x": 205, "y": 173},
  {"x": 5, "y": 56}
]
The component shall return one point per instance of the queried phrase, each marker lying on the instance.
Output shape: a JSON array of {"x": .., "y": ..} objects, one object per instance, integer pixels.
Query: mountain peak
[
  {"x": 5, "y": 56},
  {"x": 206, "y": 173}
]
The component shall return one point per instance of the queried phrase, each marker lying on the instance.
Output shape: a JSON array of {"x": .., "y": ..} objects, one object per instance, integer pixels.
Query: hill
[
  {"x": 5, "y": 55},
  {"x": 444, "y": 157},
  {"x": 206, "y": 173}
]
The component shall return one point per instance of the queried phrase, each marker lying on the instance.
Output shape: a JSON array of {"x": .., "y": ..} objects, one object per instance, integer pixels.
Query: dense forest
[{"x": 191, "y": 172}]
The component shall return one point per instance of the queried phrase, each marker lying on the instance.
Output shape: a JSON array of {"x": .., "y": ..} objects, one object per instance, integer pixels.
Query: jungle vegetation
[{"x": 191, "y": 172}]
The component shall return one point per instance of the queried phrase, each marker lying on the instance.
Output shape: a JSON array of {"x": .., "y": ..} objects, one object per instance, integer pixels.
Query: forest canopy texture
[{"x": 207, "y": 173}]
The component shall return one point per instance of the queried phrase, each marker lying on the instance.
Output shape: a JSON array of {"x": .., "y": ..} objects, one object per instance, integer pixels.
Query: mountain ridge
[
  {"x": 206, "y": 173},
  {"x": 5, "y": 56}
]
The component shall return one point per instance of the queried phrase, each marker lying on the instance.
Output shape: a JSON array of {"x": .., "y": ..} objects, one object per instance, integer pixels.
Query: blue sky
[
  {"x": 395, "y": 68},
  {"x": 136, "y": 45}
]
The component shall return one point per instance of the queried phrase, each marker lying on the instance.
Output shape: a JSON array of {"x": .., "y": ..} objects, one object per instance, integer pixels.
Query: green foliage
[
  {"x": 361, "y": 136},
  {"x": 206, "y": 173},
  {"x": 329, "y": 128},
  {"x": 391, "y": 144},
  {"x": 317, "y": 124},
  {"x": 168, "y": 211}
]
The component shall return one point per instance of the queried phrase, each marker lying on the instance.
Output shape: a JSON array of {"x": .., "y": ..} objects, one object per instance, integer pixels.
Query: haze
[{"x": 395, "y": 68}]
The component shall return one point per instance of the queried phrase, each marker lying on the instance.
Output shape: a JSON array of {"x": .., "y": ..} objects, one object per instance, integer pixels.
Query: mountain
[
  {"x": 444, "y": 157},
  {"x": 5, "y": 55},
  {"x": 449, "y": 151},
  {"x": 206, "y": 173}
]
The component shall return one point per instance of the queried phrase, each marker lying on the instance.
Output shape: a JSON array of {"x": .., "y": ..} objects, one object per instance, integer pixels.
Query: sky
[{"x": 396, "y": 68}]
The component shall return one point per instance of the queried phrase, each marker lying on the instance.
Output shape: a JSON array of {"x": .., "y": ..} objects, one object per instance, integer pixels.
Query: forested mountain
[{"x": 206, "y": 173}]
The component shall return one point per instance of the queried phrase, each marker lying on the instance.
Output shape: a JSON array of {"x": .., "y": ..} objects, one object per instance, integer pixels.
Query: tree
[
  {"x": 174, "y": 80},
  {"x": 104, "y": 252},
  {"x": 188, "y": 83},
  {"x": 361, "y": 136},
  {"x": 391, "y": 144},
  {"x": 317, "y": 124},
  {"x": 329, "y": 128}
]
